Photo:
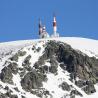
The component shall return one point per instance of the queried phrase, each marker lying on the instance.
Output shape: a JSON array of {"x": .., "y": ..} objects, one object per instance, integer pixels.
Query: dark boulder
[
  {"x": 38, "y": 49},
  {"x": 89, "y": 88},
  {"x": 26, "y": 63},
  {"x": 14, "y": 96},
  {"x": 32, "y": 80},
  {"x": 3, "y": 95},
  {"x": 53, "y": 69},
  {"x": 21, "y": 53},
  {"x": 43, "y": 69},
  {"x": 65, "y": 86},
  {"x": 73, "y": 93},
  {"x": 6, "y": 75},
  {"x": 80, "y": 83},
  {"x": 14, "y": 58},
  {"x": 23, "y": 96},
  {"x": 13, "y": 67}
]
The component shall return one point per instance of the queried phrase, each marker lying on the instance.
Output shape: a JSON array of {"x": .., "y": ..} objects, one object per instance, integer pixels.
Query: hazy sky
[{"x": 19, "y": 18}]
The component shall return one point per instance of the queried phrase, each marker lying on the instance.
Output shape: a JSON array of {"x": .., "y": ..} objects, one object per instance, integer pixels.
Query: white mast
[
  {"x": 54, "y": 26},
  {"x": 55, "y": 34}
]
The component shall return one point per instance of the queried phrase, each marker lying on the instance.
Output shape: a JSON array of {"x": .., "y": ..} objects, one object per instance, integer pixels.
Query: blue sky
[{"x": 19, "y": 18}]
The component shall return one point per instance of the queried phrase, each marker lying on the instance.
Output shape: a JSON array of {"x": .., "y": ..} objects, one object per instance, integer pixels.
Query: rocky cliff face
[{"x": 48, "y": 69}]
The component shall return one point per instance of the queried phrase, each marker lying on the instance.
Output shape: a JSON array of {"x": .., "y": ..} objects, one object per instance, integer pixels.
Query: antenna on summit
[
  {"x": 42, "y": 30},
  {"x": 40, "y": 27},
  {"x": 55, "y": 34}
]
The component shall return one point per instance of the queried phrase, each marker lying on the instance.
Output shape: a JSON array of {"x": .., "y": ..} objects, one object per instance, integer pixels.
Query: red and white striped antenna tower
[{"x": 54, "y": 25}]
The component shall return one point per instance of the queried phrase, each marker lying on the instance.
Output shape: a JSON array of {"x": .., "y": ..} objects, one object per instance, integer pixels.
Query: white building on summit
[{"x": 42, "y": 30}]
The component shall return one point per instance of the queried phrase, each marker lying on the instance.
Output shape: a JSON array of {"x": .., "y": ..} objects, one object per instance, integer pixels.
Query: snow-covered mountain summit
[
  {"x": 65, "y": 67},
  {"x": 88, "y": 46}
]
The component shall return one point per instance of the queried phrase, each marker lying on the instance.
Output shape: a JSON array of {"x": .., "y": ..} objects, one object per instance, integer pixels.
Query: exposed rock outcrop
[
  {"x": 33, "y": 80},
  {"x": 6, "y": 73}
]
